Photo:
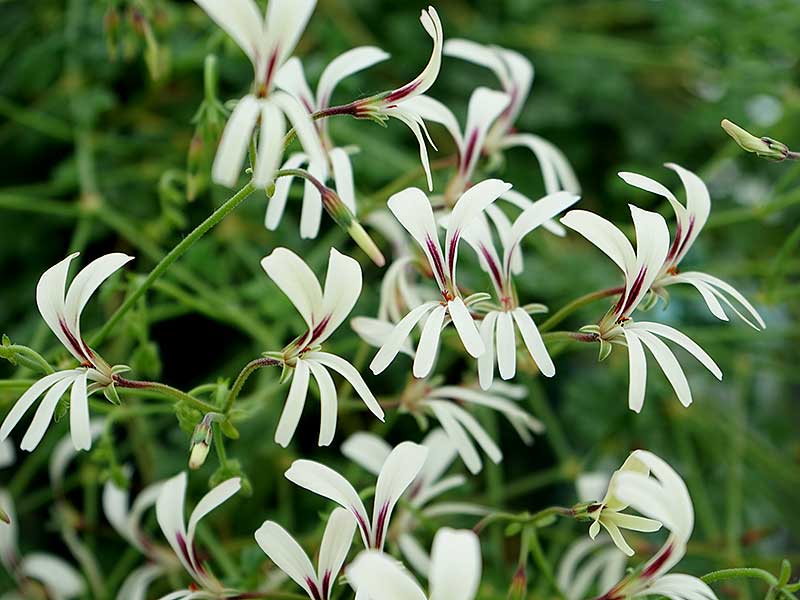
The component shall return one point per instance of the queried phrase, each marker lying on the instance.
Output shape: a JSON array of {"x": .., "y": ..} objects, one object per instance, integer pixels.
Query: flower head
[
  {"x": 285, "y": 552},
  {"x": 455, "y": 572},
  {"x": 413, "y": 209},
  {"x": 323, "y": 313},
  {"x": 61, "y": 309},
  {"x": 398, "y": 472},
  {"x": 690, "y": 221}
]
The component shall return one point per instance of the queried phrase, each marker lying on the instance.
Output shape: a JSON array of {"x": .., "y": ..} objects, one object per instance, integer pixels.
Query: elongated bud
[
  {"x": 764, "y": 147},
  {"x": 4, "y": 517},
  {"x": 518, "y": 590},
  {"x": 346, "y": 220},
  {"x": 201, "y": 443}
]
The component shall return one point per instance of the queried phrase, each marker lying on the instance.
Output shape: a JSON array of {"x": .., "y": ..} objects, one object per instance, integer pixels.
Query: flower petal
[
  {"x": 605, "y": 235},
  {"x": 731, "y": 291},
  {"x": 343, "y": 177},
  {"x": 669, "y": 364},
  {"x": 295, "y": 402},
  {"x": 455, "y": 565},
  {"x": 380, "y": 577},
  {"x": 485, "y": 56},
  {"x": 79, "y": 427},
  {"x": 444, "y": 413},
  {"x": 506, "y": 346},
  {"x": 169, "y": 514},
  {"x": 557, "y": 173},
  {"x": 431, "y": 109},
  {"x": 428, "y": 346},
  {"x": 485, "y": 106},
  {"x": 270, "y": 143},
  {"x": 235, "y": 139},
  {"x": 414, "y": 122},
  {"x": 465, "y": 326},
  {"x": 486, "y": 360},
  {"x": 291, "y": 78},
  {"x": 30, "y": 396},
  {"x": 342, "y": 289},
  {"x": 441, "y": 454},
  {"x": 286, "y": 20},
  {"x": 61, "y": 579},
  {"x": 301, "y": 121},
  {"x": 394, "y": 342},
  {"x": 327, "y": 400},
  {"x": 343, "y": 66},
  {"x": 534, "y": 342},
  {"x": 138, "y": 581},
  {"x": 295, "y": 279},
  {"x": 44, "y": 414},
  {"x": 637, "y": 374},
  {"x": 682, "y": 340},
  {"x": 367, "y": 450},
  {"x": 286, "y": 553},
  {"x": 698, "y": 203},
  {"x": 422, "y": 82},
  {"x": 50, "y": 299},
  {"x": 277, "y": 203},
  {"x": 214, "y": 498},
  {"x": 652, "y": 245},
  {"x": 336, "y": 542},
  {"x": 311, "y": 213},
  {"x": 353, "y": 377},
  {"x": 240, "y": 19}
]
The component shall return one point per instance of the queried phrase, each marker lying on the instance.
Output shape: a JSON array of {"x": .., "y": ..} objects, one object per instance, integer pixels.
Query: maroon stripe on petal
[
  {"x": 634, "y": 292},
  {"x": 74, "y": 342},
  {"x": 326, "y": 585},
  {"x": 312, "y": 585},
  {"x": 433, "y": 250},
  {"x": 493, "y": 267},
  {"x": 361, "y": 523},
  {"x": 380, "y": 525},
  {"x": 469, "y": 151},
  {"x": 402, "y": 92},
  {"x": 658, "y": 562}
]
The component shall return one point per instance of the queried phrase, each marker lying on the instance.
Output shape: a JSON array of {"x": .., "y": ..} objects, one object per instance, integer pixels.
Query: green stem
[
  {"x": 218, "y": 215},
  {"x": 569, "y": 336},
  {"x": 739, "y": 573},
  {"x": 167, "y": 391},
  {"x": 571, "y": 307},
  {"x": 241, "y": 378},
  {"x": 542, "y": 563}
]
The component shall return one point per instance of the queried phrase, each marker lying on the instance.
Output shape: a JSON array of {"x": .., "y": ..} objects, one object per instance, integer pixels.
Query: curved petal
[
  {"x": 422, "y": 82},
  {"x": 441, "y": 454},
  {"x": 50, "y": 299},
  {"x": 343, "y": 177},
  {"x": 465, "y": 326},
  {"x": 669, "y": 364},
  {"x": 380, "y": 577},
  {"x": 557, "y": 173},
  {"x": 606, "y": 236},
  {"x": 327, "y": 401},
  {"x": 295, "y": 402},
  {"x": 79, "y": 427},
  {"x": 136, "y": 584},
  {"x": 311, "y": 213},
  {"x": 214, "y": 498},
  {"x": 485, "y": 56},
  {"x": 44, "y": 414},
  {"x": 295, "y": 279},
  {"x": 291, "y": 78},
  {"x": 353, "y": 377},
  {"x": 285, "y": 22},
  {"x": 30, "y": 396},
  {"x": 698, "y": 203},
  {"x": 394, "y": 342},
  {"x": 414, "y": 122},
  {"x": 478, "y": 433},
  {"x": 637, "y": 375},
  {"x": 61, "y": 579},
  {"x": 277, "y": 203},
  {"x": 241, "y": 20},
  {"x": 727, "y": 288},
  {"x": 485, "y": 106},
  {"x": 534, "y": 342},
  {"x": 335, "y": 545},
  {"x": 367, "y": 450},
  {"x": 652, "y": 245},
  {"x": 428, "y": 346},
  {"x": 342, "y": 289},
  {"x": 343, "y": 66},
  {"x": 486, "y": 360},
  {"x": 286, "y": 553},
  {"x": 455, "y": 565},
  {"x": 706, "y": 291},
  {"x": 169, "y": 514},
  {"x": 682, "y": 340},
  {"x": 431, "y": 109},
  {"x": 235, "y": 139},
  {"x": 443, "y": 411},
  {"x": 301, "y": 121},
  {"x": 654, "y": 187},
  {"x": 270, "y": 143},
  {"x": 506, "y": 346}
]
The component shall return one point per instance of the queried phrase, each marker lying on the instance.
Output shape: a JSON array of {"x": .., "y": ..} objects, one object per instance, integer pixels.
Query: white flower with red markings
[
  {"x": 588, "y": 563},
  {"x": 397, "y": 473},
  {"x": 515, "y": 73},
  {"x": 455, "y": 572},
  {"x": 61, "y": 309},
  {"x": 690, "y": 220},
  {"x": 371, "y": 451},
  {"x": 322, "y": 313},
  {"x": 36, "y": 574},
  {"x": 170, "y": 516},
  {"x": 640, "y": 268},
  {"x": 268, "y": 41},
  {"x": 658, "y": 492},
  {"x": 288, "y": 555},
  {"x": 413, "y": 209},
  {"x": 499, "y": 323},
  {"x": 292, "y": 80}
]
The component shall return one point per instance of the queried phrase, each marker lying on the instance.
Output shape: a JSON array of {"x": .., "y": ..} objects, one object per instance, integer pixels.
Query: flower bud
[
  {"x": 518, "y": 590},
  {"x": 4, "y": 517},
  {"x": 764, "y": 147},
  {"x": 346, "y": 220},
  {"x": 200, "y": 444}
]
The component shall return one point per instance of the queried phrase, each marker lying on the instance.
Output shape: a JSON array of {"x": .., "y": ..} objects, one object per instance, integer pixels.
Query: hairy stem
[
  {"x": 571, "y": 307},
  {"x": 166, "y": 390},
  {"x": 241, "y": 378}
]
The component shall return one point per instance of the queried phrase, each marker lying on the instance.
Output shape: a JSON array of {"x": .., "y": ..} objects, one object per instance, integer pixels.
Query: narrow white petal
[
  {"x": 9, "y": 532},
  {"x": 61, "y": 579},
  {"x": 413, "y": 209},
  {"x": 682, "y": 340},
  {"x": 637, "y": 374},
  {"x": 669, "y": 364},
  {"x": 506, "y": 346},
  {"x": 417, "y": 126},
  {"x": 376, "y": 331},
  {"x": 336, "y": 542},
  {"x": 367, "y": 450},
  {"x": 301, "y": 121},
  {"x": 311, "y": 213},
  {"x": 557, "y": 173},
  {"x": 731, "y": 291},
  {"x": 79, "y": 427},
  {"x": 327, "y": 400},
  {"x": 241, "y": 19},
  {"x": 605, "y": 235},
  {"x": 443, "y": 411},
  {"x": 678, "y": 586},
  {"x": 343, "y": 66},
  {"x": 478, "y": 433},
  {"x": 431, "y": 109},
  {"x": 520, "y": 72},
  {"x": 422, "y": 82},
  {"x": 214, "y": 498},
  {"x": 353, "y": 377},
  {"x": 342, "y": 289},
  {"x": 8, "y": 455},
  {"x": 380, "y": 577},
  {"x": 394, "y": 342},
  {"x": 44, "y": 414},
  {"x": 30, "y": 396},
  {"x": 414, "y": 554},
  {"x": 343, "y": 177},
  {"x": 455, "y": 565},
  {"x": 617, "y": 537},
  {"x": 398, "y": 472},
  {"x": 428, "y": 346},
  {"x": 286, "y": 553},
  {"x": 486, "y": 360},
  {"x": 485, "y": 56},
  {"x": 295, "y": 402},
  {"x": 441, "y": 454},
  {"x": 698, "y": 202},
  {"x": 270, "y": 143},
  {"x": 485, "y": 106},
  {"x": 277, "y": 203},
  {"x": 169, "y": 514},
  {"x": 235, "y": 139},
  {"x": 64, "y": 452},
  {"x": 706, "y": 291},
  {"x": 50, "y": 299},
  {"x": 533, "y": 342},
  {"x": 291, "y": 78},
  {"x": 654, "y": 187},
  {"x": 635, "y": 522},
  {"x": 286, "y": 20},
  {"x": 652, "y": 245},
  {"x": 295, "y": 279},
  {"x": 326, "y": 482},
  {"x": 138, "y": 582},
  {"x": 465, "y": 326}
]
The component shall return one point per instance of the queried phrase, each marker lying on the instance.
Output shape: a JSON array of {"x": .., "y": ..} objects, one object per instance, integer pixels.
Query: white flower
[
  {"x": 395, "y": 104},
  {"x": 292, "y": 80},
  {"x": 35, "y": 571},
  {"x": 413, "y": 209},
  {"x": 690, "y": 221},
  {"x": 371, "y": 451},
  {"x": 268, "y": 42},
  {"x": 640, "y": 268},
  {"x": 62, "y": 310},
  {"x": 7, "y": 454},
  {"x": 285, "y": 552},
  {"x": 515, "y": 73},
  {"x": 662, "y": 496},
  {"x": 397, "y": 473},
  {"x": 497, "y": 327},
  {"x": 587, "y": 562},
  {"x": 169, "y": 513},
  {"x": 608, "y": 512},
  {"x": 455, "y": 572},
  {"x": 323, "y": 313},
  {"x": 64, "y": 453}
]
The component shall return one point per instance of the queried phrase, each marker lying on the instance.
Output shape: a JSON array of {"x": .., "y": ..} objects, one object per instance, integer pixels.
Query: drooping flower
[
  {"x": 515, "y": 73},
  {"x": 413, "y": 209},
  {"x": 61, "y": 309},
  {"x": 609, "y": 511},
  {"x": 285, "y": 552},
  {"x": 323, "y": 313},
  {"x": 35, "y": 574},
  {"x": 690, "y": 221},
  {"x": 371, "y": 451},
  {"x": 499, "y": 323},
  {"x": 268, "y": 41},
  {"x": 292, "y": 80},
  {"x": 455, "y": 572},
  {"x": 170, "y": 516},
  {"x": 640, "y": 268},
  {"x": 398, "y": 472},
  {"x": 661, "y": 495},
  {"x": 589, "y": 562}
]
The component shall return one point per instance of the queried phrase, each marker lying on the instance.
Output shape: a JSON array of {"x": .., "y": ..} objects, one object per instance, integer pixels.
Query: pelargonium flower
[
  {"x": 515, "y": 73},
  {"x": 37, "y": 574},
  {"x": 640, "y": 268},
  {"x": 658, "y": 492},
  {"x": 285, "y": 552},
  {"x": 323, "y": 313},
  {"x": 690, "y": 221},
  {"x": 398, "y": 472},
  {"x": 497, "y": 327},
  {"x": 61, "y": 309},
  {"x": 170, "y": 516},
  {"x": 609, "y": 511},
  {"x": 268, "y": 41},
  {"x": 413, "y": 209},
  {"x": 371, "y": 451},
  {"x": 292, "y": 80},
  {"x": 455, "y": 572},
  {"x": 589, "y": 562}
]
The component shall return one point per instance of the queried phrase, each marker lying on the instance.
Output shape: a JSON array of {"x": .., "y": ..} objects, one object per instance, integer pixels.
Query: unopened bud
[
  {"x": 345, "y": 218},
  {"x": 200, "y": 444},
  {"x": 518, "y": 590},
  {"x": 4, "y": 517},
  {"x": 764, "y": 147}
]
